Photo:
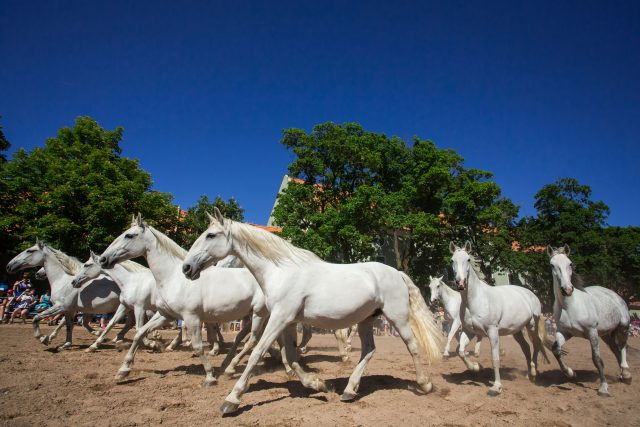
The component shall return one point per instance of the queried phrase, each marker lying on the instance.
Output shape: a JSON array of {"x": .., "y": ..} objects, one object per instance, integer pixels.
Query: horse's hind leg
[
  {"x": 195, "y": 326},
  {"x": 253, "y": 326},
  {"x": 87, "y": 325},
  {"x": 288, "y": 340},
  {"x": 524, "y": 345},
  {"x": 476, "y": 349},
  {"x": 603, "y": 390},
  {"x": 306, "y": 337},
  {"x": 129, "y": 322},
  {"x": 365, "y": 329},
  {"x": 69, "y": 325},
  {"x": 178, "y": 339},
  {"x": 617, "y": 342},
  {"x": 494, "y": 339}
]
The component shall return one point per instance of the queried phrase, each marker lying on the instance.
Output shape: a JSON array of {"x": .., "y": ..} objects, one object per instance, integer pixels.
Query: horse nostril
[{"x": 186, "y": 268}]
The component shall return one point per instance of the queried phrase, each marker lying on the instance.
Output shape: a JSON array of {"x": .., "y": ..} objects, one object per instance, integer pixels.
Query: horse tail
[
  {"x": 422, "y": 323},
  {"x": 540, "y": 340}
]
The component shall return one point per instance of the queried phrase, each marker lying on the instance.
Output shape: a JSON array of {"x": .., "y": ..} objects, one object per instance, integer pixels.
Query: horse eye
[
  {"x": 129, "y": 236},
  {"x": 211, "y": 235},
  {"x": 30, "y": 251}
]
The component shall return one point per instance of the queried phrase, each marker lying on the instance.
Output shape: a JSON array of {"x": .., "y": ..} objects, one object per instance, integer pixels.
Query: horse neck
[
  {"x": 476, "y": 288},
  {"x": 119, "y": 274},
  {"x": 163, "y": 264},
  {"x": 58, "y": 278},
  {"x": 448, "y": 295},
  {"x": 260, "y": 267}
]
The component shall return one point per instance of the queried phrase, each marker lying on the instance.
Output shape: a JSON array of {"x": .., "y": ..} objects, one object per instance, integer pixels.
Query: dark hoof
[
  {"x": 228, "y": 408},
  {"x": 626, "y": 380},
  {"x": 347, "y": 397}
]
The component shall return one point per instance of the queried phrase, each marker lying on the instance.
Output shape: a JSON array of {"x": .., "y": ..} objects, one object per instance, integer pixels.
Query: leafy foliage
[{"x": 195, "y": 219}]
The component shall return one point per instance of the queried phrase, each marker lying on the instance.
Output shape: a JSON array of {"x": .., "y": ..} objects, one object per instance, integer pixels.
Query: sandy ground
[{"x": 41, "y": 386}]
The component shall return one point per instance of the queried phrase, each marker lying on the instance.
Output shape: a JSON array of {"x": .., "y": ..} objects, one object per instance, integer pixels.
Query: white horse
[
  {"x": 100, "y": 296},
  {"x": 137, "y": 293},
  {"x": 221, "y": 295},
  {"x": 451, "y": 301},
  {"x": 588, "y": 313},
  {"x": 493, "y": 311},
  {"x": 300, "y": 287}
]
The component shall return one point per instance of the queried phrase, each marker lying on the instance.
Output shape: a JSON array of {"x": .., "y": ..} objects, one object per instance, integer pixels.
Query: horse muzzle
[
  {"x": 11, "y": 268},
  {"x": 566, "y": 292},
  {"x": 461, "y": 284}
]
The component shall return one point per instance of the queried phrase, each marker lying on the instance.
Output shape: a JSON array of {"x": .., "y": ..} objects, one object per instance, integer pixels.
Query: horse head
[
  {"x": 461, "y": 263},
  {"x": 210, "y": 247},
  {"x": 561, "y": 268},
  {"x": 130, "y": 244},
  {"x": 90, "y": 270},
  {"x": 29, "y": 258}
]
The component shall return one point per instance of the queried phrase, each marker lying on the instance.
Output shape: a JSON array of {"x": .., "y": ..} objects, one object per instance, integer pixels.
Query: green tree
[
  {"x": 4, "y": 145},
  {"x": 195, "y": 220},
  {"x": 77, "y": 192}
]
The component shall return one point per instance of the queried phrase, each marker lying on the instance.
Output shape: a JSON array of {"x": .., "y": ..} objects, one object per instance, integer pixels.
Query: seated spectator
[
  {"x": 23, "y": 304},
  {"x": 22, "y": 285},
  {"x": 7, "y": 305},
  {"x": 44, "y": 303}
]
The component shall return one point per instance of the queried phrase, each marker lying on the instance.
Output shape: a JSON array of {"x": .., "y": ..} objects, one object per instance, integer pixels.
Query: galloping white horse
[
  {"x": 138, "y": 294},
  {"x": 99, "y": 296},
  {"x": 496, "y": 310},
  {"x": 451, "y": 301},
  {"x": 299, "y": 287},
  {"x": 588, "y": 313},
  {"x": 221, "y": 295}
]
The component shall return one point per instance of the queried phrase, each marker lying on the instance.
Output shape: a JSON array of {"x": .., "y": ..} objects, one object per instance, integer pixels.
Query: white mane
[
  {"x": 270, "y": 246},
  {"x": 69, "y": 264},
  {"x": 168, "y": 245},
  {"x": 133, "y": 267}
]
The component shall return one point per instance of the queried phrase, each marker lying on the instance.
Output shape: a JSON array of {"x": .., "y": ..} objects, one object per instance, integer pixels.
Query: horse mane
[
  {"x": 132, "y": 266},
  {"x": 269, "y": 246},
  {"x": 167, "y": 245},
  {"x": 70, "y": 265},
  {"x": 576, "y": 280}
]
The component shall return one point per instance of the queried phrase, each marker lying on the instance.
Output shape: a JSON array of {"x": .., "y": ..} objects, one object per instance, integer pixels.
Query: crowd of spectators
[{"x": 20, "y": 300}]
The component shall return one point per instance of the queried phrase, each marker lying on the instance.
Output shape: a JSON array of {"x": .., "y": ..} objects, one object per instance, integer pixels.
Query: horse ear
[
  {"x": 440, "y": 278},
  {"x": 40, "y": 243},
  {"x": 133, "y": 219},
  {"x": 550, "y": 251},
  {"x": 211, "y": 218},
  {"x": 218, "y": 215},
  {"x": 452, "y": 247},
  {"x": 467, "y": 246},
  {"x": 567, "y": 250}
]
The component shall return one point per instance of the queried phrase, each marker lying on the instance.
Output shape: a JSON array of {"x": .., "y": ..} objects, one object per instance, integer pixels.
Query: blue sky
[{"x": 531, "y": 92}]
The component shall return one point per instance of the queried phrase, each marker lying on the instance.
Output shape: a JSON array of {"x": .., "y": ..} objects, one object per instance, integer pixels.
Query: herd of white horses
[{"x": 275, "y": 285}]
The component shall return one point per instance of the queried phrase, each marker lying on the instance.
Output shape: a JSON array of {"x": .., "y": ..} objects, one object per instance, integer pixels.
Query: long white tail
[
  {"x": 423, "y": 324},
  {"x": 540, "y": 340}
]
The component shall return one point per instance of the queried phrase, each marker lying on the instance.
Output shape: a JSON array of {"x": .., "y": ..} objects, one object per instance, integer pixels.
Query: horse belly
[{"x": 336, "y": 313}]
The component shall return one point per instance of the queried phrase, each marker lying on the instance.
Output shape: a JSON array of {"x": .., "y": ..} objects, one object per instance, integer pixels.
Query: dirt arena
[{"x": 40, "y": 386}]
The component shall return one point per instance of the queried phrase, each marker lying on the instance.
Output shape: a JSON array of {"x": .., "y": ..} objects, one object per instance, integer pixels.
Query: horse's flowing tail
[
  {"x": 423, "y": 324},
  {"x": 540, "y": 340}
]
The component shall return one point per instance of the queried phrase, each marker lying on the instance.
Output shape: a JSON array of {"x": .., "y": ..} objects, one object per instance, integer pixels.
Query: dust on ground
[{"x": 41, "y": 386}]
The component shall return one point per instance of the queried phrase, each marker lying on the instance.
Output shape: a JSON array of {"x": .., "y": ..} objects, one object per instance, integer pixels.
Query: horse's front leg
[
  {"x": 276, "y": 324},
  {"x": 139, "y": 313},
  {"x": 120, "y": 312},
  {"x": 561, "y": 338},
  {"x": 603, "y": 390},
  {"x": 254, "y": 326},
  {"x": 465, "y": 337},
  {"x": 156, "y": 321},
  {"x": 452, "y": 332},
  {"x": 306, "y": 337},
  {"x": 87, "y": 325},
  {"x": 494, "y": 339},
  {"x": 50, "y": 312},
  {"x": 367, "y": 349}
]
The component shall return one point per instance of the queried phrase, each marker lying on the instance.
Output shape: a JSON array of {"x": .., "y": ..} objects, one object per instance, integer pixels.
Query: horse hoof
[
  {"x": 209, "y": 382},
  {"x": 426, "y": 387},
  {"x": 302, "y": 350},
  {"x": 446, "y": 354},
  {"x": 345, "y": 359},
  {"x": 45, "y": 340},
  {"x": 91, "y": 349},
  {"x": 122, "y": 374},
  {"x": 494, "y": 391},
  {"x": 347, "y": 397},
  {"x": 320, "y": 385},
  {"x": 475, "y": 367},
  {"x": 625, "y": 376},
  {"x": 604, "y": 393},
  {"x": 214, "y": 353},
  {"x": 570, "y": 374},
  {"x": 96, "y": 333},
  {"x": 228, "y": 374},
  {"x": 228, "y": 407},
  {"x": 65, "y": 346}
]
